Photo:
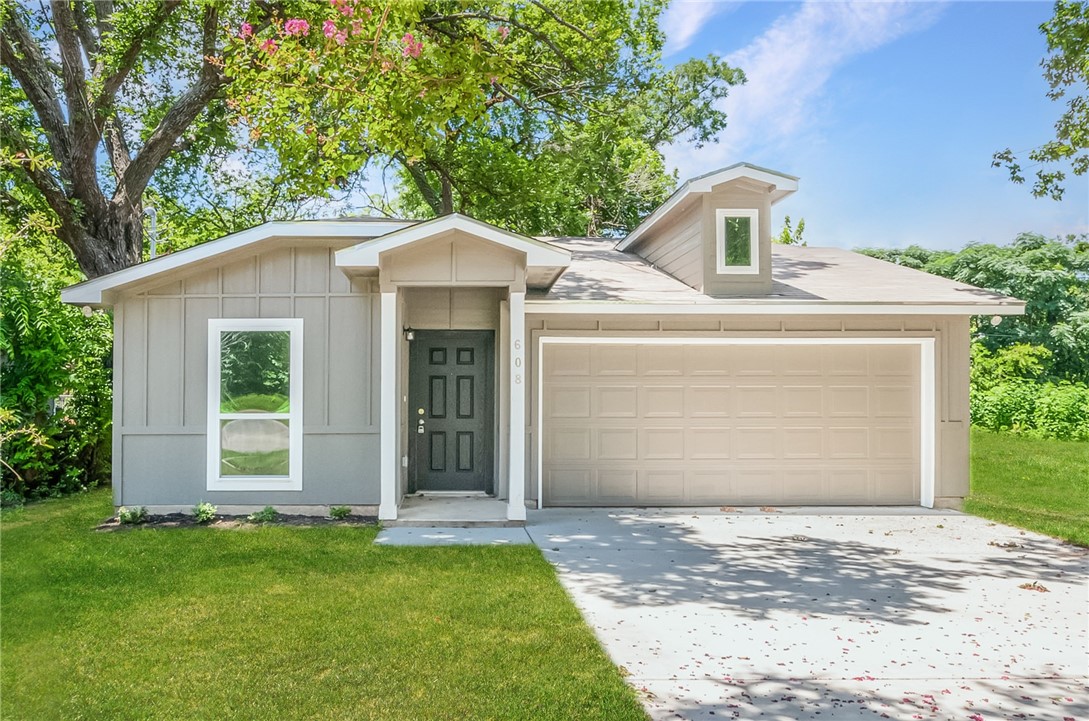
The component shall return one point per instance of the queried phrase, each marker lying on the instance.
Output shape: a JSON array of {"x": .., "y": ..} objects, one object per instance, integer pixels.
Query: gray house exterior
[{"x": 694, "y": 362}]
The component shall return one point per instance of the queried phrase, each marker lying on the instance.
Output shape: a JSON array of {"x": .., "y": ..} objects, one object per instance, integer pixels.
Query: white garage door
[{"x": 739, "y": 424}]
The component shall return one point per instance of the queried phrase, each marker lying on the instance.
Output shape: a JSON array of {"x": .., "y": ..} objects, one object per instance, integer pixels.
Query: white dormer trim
[
  {"x": 538, "y": 253},
  {"x": 779, "y": 185},
  {"x": 753, "y": 268}
]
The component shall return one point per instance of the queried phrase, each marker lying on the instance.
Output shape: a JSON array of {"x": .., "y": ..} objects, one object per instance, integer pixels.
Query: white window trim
[
  {"x": 753, "y": 267},
  {"x": 293, "y": 481}
]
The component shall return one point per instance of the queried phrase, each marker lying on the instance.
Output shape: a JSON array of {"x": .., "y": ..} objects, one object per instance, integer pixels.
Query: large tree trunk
[{"x": 109, "y": 241}]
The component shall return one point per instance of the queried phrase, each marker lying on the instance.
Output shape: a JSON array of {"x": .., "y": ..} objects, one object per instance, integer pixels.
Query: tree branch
[
  {"x": 20, "y": 54},
  {"x": 72, "y": 70},
  {"x": 419, "y": 177},
  {"x": 185, "y": 109},
  {"x": 552, "y": 14},
  {"x": 469, "y": 15}
]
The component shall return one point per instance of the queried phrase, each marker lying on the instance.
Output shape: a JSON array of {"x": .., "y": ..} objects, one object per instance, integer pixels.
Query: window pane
[
  {"x": 254, "y": 447},
  {"x": 255, "y": 371},
  {"x": 738, "y": 241}
]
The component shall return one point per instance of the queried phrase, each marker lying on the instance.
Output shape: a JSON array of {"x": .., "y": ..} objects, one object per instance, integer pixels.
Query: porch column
[
  {"x": 516, "y": 484},
  {"x": 388, "y": 438}
]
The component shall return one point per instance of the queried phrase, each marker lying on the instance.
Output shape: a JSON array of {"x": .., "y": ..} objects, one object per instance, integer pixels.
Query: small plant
[
  {"x": 10, "y": 499},
  {"x": 204, "y": 512},
  {"x": 339, "y": 513},
  {"x": 132, "y": 516},
  {"x": 267, "y": 514}
]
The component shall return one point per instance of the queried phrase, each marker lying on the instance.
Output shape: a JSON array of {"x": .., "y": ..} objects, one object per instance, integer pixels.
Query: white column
[
  {"x": 516, "y": 488},
  {"x": 388, "y": 438}
]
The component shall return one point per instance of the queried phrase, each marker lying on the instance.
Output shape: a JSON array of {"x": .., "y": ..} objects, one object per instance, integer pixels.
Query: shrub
[
  {"x": 1062, "y": 411},
  {"x": 10, "y": 499},
  {"x": 204, "y": 512},
  {"x": 1008, "y": 406},
  {"x": 267, "y": 514},
  {"x": 130, "y": 516},
  {"x": 340, "y": 512}
]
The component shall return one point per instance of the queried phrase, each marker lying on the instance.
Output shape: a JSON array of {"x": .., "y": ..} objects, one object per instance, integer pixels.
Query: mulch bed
[{"x": 185, "y": 520}]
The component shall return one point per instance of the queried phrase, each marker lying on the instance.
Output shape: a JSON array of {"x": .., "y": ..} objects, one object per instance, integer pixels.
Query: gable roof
[
  {"x": 780, "y": 184},
  {"x": 96, "y": 291},
  {"x": 602, "y": 279},
  {"x": 538, "y": 252}
]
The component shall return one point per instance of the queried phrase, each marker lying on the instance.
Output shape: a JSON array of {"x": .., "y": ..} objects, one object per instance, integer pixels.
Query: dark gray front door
[{"x": 450, "y": 410}]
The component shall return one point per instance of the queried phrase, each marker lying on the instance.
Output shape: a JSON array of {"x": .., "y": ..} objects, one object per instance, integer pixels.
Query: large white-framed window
[
  {"x": 255, "y": 404},
  {"x": 737, "y": 240}
]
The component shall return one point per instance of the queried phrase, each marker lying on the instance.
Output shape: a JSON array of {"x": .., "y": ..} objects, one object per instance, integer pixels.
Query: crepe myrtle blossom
[
  {"x": 297, "y": 26},
  {"x": 245, "y": 31},
  {"x": 504, "y": 31},
  {"x": 413, "y": 47},
  {"x": 270, "y": 46},
  {"x": 341, "y": 37},
  {"x": 329, "y": 28}
]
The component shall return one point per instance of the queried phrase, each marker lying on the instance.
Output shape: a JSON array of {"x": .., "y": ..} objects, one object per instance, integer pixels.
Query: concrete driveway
[{"x": 829, "y": 613}]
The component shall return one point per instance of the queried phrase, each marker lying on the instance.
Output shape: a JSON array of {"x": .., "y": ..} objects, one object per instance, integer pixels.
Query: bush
[
  {"x": 267, "y": 514},
  {"x": 10, "y": 499},
  {"x": 55, "y": 394},
  {"x": 131, "y": 516},
  {"x": 340, "y": 512},
  {"x": 1044, "y": 410},
  {"x": 204, "y": 512}
]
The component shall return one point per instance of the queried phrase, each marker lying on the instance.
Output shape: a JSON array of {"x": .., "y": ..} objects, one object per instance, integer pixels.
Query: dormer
[{"x": 714, "y": 233}]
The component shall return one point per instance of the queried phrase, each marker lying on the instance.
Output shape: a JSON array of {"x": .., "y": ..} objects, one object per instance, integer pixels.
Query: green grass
[
  {"x": 284, "y": 623},
  {"x": 1036, "y": 484}
]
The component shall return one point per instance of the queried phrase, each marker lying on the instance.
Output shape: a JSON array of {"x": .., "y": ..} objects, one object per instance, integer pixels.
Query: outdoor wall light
[{"x": 409, "y": 333}]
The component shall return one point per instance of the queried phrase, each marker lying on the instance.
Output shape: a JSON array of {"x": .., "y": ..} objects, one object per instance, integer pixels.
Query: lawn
[
  {"x": 1039, "y": 485},
  {"x": 284, "y": 623}
]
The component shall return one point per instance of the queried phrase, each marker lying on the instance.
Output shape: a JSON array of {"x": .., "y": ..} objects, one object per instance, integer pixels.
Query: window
[
  {"x": 737, "y": 247},
  {"x": 255, "y": 404}
]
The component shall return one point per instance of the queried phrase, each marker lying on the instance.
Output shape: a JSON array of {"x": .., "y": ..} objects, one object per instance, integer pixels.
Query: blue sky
[{"x": 888, "y": 111}]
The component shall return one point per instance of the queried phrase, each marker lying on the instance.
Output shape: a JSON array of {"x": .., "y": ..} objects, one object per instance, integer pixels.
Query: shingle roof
[{"x": 598, "y": 272}]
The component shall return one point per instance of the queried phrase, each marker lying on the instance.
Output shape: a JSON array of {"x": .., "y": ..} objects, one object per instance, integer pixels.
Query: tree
[
  {"x": 789, "y": 235},
  {"x": 1066, "y": 69},
  {"x": 547, "y": 118},
  {"x": 109, "y": 98}
]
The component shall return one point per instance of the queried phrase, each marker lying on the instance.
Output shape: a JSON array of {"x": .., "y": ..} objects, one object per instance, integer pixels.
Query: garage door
[{"x": 739, "y": 424}]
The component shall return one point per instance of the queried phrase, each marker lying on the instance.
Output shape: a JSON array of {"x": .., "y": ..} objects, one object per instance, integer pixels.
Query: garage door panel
[
  {"x": 619, "y": 401},
  {"x": 730, "y": 424}
]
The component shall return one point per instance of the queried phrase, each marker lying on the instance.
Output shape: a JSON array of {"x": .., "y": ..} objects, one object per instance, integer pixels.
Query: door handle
[{"x": 420, "y": 426}]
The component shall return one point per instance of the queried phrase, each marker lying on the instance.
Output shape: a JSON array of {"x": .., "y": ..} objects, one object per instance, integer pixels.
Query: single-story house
[{"x": 693, "y": 362}]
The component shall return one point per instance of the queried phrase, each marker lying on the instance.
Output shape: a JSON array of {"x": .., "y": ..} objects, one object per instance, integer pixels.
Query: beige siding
[
  {"x": 163, "y": 365},
  {"x": 736, "y": 196},
  {"x": 453, "y": 258},
  {"x": 676, "y": 247},
  {"x": 951, "y": 371}
]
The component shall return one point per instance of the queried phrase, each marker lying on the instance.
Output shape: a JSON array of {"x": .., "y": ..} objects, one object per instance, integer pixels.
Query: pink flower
[
  {"x": 413, "y": 47},
  {"x": 245, "y": 31},
  {"x": 346, "y": 10},
  {"x": 357, "y": 27},
  {"x": 297, "y": 26},
  {"x": 341, "y": 37},
  {"x": 270, "y": 46},
  {"x": 504, "y": 31},
  {"x": 368, "y": 12},
  {"x": 329, "y": 28}
]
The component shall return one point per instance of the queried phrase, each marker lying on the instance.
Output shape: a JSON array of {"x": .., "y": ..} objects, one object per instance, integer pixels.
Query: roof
[
  {"x": 91, "y": 292},
  {"x": 602, "y": 279},
  {"x": 780, "y": 184}
]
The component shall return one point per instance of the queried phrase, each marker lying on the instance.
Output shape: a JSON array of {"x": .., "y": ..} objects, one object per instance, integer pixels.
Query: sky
[{"x": 889, "y": 112}]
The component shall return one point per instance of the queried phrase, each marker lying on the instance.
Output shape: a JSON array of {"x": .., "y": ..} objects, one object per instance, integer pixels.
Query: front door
[{"x": 450, "y": 410}]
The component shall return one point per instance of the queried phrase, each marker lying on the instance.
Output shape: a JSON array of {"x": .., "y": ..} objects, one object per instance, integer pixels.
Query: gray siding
[
  {"x": 162, "y": 365},
  {"x": 676, "y": 247}
]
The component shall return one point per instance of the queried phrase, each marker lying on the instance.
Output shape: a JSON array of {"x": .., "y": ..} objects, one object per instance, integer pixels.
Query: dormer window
[{"x": 737, "y": 242}]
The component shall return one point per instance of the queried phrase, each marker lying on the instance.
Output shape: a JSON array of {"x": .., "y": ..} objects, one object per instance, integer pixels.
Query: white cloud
[
  {"x": 684, "y": 19},
  {"x": 788, "y": 67}
]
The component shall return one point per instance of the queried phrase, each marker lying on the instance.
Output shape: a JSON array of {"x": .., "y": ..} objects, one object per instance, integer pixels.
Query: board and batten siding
[
  {"x": 676, "y": 247},
  {"x": 951, "y": 348},
  {"x": 161, "y": 368}
]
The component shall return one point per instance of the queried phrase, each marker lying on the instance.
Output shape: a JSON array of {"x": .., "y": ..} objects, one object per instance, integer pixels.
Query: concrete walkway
[{"x": 902, "y": 614}]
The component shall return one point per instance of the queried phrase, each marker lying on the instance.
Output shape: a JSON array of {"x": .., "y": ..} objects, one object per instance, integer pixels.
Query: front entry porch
[{"x": 452, "y": 510}]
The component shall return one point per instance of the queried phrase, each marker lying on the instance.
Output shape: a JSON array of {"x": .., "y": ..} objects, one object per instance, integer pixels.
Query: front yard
[
  {"x": 284, "y": 623},
  {"x": 1041, "y": 485}
]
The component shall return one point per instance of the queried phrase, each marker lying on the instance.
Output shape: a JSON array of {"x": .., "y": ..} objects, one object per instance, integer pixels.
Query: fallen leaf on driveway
[
  {"x": 769, "y": 509},
  {"x": 1034, "y": 586}
]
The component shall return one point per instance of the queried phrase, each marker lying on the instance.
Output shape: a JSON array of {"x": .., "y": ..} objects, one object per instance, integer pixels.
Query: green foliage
[
  {"x": 55, "y": 409},
  {"x": 1042, "y": 410},
  {"x": 131, "y": 516},
  {"x": 1019, "y": 361},
  {"x": 204, "y": 512},
  {"x": 340, "y": 512},
  {"x": 789, "y": 235},
  {"x": 255, "y": 366},
  {"x": 1050, "y": 274},
  {"x": 268, "y": 514},
  {"x": 11, "y": 499},
  {"x": 1066, "y": 69}
]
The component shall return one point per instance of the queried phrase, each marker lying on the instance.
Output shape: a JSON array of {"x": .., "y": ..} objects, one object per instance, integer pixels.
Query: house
[{"x": 693, "y": 362}]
